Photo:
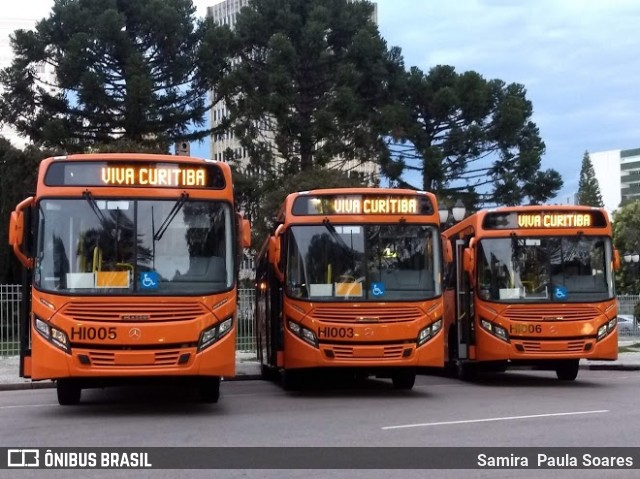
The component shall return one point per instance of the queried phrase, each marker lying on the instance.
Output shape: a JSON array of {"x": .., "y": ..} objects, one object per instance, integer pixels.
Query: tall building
[
  {"x": 618, "y": 175},
  {"x": 224, "y": 13}
]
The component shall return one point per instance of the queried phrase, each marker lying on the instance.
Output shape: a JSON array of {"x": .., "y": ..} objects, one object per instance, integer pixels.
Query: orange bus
[
  {"x": 351, "y": 278},
  {"x": 131, "y": 263},
  {"x": 530, "y": 286}
]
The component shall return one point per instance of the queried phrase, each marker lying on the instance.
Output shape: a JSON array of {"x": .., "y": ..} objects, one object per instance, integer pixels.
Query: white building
[
  {"x": 224, "y": 13},
  {"x": 618, "y": 175}
]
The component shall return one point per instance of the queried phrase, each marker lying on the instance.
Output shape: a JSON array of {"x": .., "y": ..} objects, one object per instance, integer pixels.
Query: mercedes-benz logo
[
  {"x": 135, "y": 333},
  {"x": 368, "y": 331}
]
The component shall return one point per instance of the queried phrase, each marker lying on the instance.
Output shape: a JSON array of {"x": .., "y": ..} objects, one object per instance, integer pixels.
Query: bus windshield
[
  {"x": 363, "y": 262},
  {"x": 544, "y": 269},
  {"x": 133, "y": 246}
]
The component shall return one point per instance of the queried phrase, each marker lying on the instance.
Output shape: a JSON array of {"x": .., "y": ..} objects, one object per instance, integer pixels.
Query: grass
[{"x": 631, "y": 348}]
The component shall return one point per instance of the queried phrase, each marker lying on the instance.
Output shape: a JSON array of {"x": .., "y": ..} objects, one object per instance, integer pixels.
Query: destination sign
[
  {"x": 545, "y": 220},
  {"x": 362, "y": 205},
  {"x": 135, "y": 174}
]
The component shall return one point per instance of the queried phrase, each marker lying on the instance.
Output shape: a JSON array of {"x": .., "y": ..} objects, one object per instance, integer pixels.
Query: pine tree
[
  {"x": 129, "y": 70},
  {"x": 588, "y": 188}
]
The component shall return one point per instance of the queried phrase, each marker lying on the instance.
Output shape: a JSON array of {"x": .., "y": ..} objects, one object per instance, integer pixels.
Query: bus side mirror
[
  {"x": 447, "y": 251},
  {"x": 16, "y": 228},
  {"x": 616, "y": 260},
  {"x": 246, "y": 233},
  {"x": 468, "y": 264},
  {"x": 16, "y": 232}
]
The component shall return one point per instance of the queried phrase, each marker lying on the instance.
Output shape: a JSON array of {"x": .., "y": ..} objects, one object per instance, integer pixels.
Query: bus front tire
[
  {"x": 210, "y": 389},
  {"x": 292, "y": 379},
  {"x": 568, "y": 370},
  {"x": 465, "y": 371},
  {"x": 68, "y": 392},
  {"x": 404, "y": 379}
]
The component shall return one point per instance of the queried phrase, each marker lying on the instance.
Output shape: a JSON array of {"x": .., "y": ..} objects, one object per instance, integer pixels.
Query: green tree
[
  {"x": 18, "y": 174},
  {"x": 468, "y": 137},
  {"x": 313, "y": 79},
  {"x": 588, "y": 187},
  {"x": 123, "y": 69},
  {"x": 626, "y": 225},
  {"x": 261, "y": 199}
]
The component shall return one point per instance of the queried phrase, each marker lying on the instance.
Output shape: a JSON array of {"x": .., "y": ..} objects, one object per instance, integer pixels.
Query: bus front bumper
[
  {"x": 50, "y": 362},
  {"x": 300, "y": 354}
]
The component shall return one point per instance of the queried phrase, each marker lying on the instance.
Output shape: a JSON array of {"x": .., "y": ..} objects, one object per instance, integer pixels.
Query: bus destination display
[
  {"x": 545, "y": 220},
  {"x": 362, "y": 205},
  {"x": 135, "y": 174}
]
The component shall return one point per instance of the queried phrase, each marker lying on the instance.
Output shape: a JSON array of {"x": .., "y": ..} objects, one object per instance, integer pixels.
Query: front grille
[
  {"x": 366, "y": 314},
  {"x": 368, "y": 352},
  {"x": 556, "y": 312},
  {"x": 133, "y": 311},
  {"x": 128, "y": 359},
  {"x": 553, "y": 346}
]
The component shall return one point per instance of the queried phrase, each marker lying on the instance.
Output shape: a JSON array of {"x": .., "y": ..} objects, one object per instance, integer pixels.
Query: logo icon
[
  {"x": 377, "y": 289},
  {"x": 559, "y": 292},
  {"x": 135, "y": 333},
  {"x": 23, "y": 457},
  {"x": 149, "y": 280}
]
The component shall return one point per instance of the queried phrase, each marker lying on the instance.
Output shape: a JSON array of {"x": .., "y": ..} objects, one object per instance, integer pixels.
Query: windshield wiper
[
  {"x": 172, "y": 214},
  {"x": 94, "y": 207}
]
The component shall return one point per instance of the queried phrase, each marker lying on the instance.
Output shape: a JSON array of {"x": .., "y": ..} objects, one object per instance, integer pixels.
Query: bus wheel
[
  {"x": 267, "y": 372},
  {"x": 68, "y": 392},
  {"x": 210, "y": 389},
  {"x": 292, "y": 379},
  {"x": 465, "y": 371},
  {"x": 404, "y": 379},
  {"x": 568, "y": 370}
]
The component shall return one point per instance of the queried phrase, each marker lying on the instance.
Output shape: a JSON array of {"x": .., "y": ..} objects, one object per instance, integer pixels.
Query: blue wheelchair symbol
[
  {"x": 377, "y": 289},
  {"x": 149, "y": 280},
  {"x": 559, "y": 292}
]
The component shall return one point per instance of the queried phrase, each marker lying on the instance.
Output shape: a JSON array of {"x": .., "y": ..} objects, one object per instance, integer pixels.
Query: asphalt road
[{"x": 601, "y": 408}]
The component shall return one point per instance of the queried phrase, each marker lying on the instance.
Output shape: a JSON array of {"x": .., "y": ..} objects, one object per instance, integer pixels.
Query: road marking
[
  {"x": 26, "y": 405},
  {"x": 492, "y": 419}
]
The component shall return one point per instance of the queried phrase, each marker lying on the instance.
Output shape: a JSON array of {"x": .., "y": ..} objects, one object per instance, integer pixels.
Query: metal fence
[
  {"x": 10, "y": 297},
  {"x": 11, "y": 294}
]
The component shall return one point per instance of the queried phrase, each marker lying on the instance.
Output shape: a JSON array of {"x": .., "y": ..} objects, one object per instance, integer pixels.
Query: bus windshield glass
[
  {"x": 88, "y": 246},
  {"x": 364, "y": 262},
  {"x": 544, "y": 269}
]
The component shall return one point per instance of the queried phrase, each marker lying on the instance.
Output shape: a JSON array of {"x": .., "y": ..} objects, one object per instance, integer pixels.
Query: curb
[{"x": 613, "y": 367}]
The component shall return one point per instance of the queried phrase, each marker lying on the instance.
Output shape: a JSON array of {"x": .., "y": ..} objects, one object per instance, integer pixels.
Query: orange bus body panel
[
  {"x": 135, "y": 343},
  {"x": 538, "y": 331}
]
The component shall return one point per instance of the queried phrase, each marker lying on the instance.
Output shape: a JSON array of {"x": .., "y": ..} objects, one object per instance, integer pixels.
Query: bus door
[
  {"x": 464, "y": 303},
  {"x": 24, "y": 323}
]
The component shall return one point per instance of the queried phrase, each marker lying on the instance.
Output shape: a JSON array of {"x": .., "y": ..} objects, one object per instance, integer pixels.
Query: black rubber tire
[
  {"x": 69, "y": 392},
  {"x": 466, "y": 371},
  {"x": 292, "y": 379},
  {"x": 210, "y": 389},
  {"x": 404, "y": 379},
  {"x": 568, "y": 370}
]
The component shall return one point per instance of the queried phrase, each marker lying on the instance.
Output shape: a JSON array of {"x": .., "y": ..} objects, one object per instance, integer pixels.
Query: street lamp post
[
  {"x": 632, "y": 260},
  {"x": 457, "y": 213}
]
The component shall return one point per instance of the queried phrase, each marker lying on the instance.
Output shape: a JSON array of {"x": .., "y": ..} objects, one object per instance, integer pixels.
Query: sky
[{"x": 578, "y": 60}]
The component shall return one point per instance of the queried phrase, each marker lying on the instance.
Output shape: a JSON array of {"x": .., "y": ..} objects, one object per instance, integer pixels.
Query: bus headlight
[
  {"x": 55, "y": 336},
  {"x": 496, "y": 330},
  {"x": 612, "y": 324},
  {"x": 602, "y": 331},
  {"x": 425, "y": 334},
  {"x": 214, "y": 333},
  {"x": 303, "y": 333}
]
